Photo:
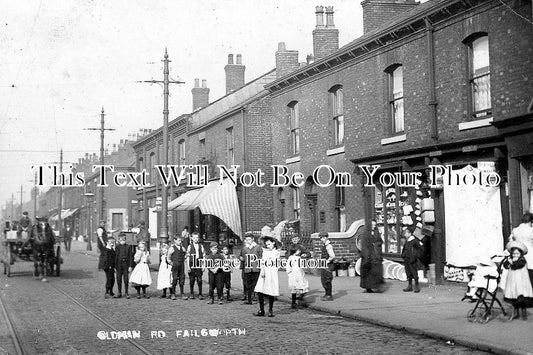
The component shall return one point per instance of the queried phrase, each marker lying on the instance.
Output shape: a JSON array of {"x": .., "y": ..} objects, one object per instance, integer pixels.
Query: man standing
[
  {"x": 67, "y": 236},
  {"x": 251, "y": 270},
  {"x": 326, "y": 276},
  {"x": 101, "y": 242},
  {"x": 195, "y": 251},
  {"x": 524, "y": 233},
  {"x": 143, "y": 235},
  {"x": 25, "y": 224},
  {"x": 185, "y": 236}
]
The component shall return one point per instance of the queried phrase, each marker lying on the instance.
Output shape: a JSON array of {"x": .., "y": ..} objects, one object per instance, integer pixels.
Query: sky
[{"x": 62, "y": 61}]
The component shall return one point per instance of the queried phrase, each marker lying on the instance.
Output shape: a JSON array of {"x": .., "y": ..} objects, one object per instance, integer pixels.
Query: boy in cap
[
  {"x": 326, "y": 275},
  {"x": 216, "y": 275},
  {"x": 250, "y": 271},
  {"x": 123, "y": 264},
  {"x": 195, "y": 251},
  {"x": 226, "y": 271},
  {"x": 176, "y": 257},
  {"x": 411, "y": 252}
]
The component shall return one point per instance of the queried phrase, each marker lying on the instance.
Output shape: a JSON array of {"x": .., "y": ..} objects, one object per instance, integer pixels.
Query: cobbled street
[{"x": 69, "y": 315}]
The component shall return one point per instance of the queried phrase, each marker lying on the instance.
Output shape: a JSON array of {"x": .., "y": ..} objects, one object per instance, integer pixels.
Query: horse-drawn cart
[{"x": 15, "y": 247}]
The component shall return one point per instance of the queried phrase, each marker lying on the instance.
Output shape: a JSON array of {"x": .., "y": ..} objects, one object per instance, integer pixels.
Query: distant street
[{"x": 69, "y": 315}]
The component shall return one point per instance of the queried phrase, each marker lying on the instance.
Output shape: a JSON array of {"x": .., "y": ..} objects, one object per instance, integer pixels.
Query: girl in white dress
[
  {"x": 268, "y": 283},
  {"x": 298, "y": 284},
  {"x": 518, "y": 290},
  {"x": 140, "y": 277},
  {"x": 164, "y": 276}
]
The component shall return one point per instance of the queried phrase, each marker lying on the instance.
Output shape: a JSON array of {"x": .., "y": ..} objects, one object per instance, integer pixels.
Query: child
[
  {"x": 411, "y": 255},
  {"x": 486, "y": 267},
  {"x": 164, "y": 276},
  {"x": 226, "y": 271},
  {"x": 140, "y": 277},
  {"x": 518, "y": 289},
  {"x": 298, "y": 285},
  {"x": 123, "y": 264},
  {"x": 268, "y": 283},
  {"x": 109, "y": 267},
  {"x": 215, "y": 274},
  {"x": 176, "y": 257}
]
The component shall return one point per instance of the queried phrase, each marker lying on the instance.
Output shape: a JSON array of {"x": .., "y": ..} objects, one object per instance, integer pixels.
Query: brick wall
[
  {"x": 325, "y": 42},
  {"x": 377, "y": 12}
]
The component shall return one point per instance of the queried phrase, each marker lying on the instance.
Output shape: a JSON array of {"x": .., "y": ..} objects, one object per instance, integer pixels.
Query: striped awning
[
  {"x": 64, "y": 214},
  {"x": 218, "y": 198}
]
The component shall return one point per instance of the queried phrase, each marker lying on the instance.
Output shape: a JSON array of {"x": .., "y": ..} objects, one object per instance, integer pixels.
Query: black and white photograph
[{"x": 266, "y": 177}]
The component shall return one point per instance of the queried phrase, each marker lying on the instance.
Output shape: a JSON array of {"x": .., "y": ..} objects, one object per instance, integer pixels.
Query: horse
[{"x": 42, "y": 244}]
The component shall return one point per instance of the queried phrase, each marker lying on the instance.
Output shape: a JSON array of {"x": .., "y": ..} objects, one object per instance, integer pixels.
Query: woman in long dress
[
  {"x": 268, "y": 283},
  {"x": 140, "y": 277},
  {"x": 371, "y": 260}
]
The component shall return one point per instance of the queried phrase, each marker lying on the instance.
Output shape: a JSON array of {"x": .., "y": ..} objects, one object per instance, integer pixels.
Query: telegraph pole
[
  {"x": 59, "y": 229},
  {"x": 35, "y": 196},
  {"x": 163, "y": 230},
  {"x": 102, "y": 129}
]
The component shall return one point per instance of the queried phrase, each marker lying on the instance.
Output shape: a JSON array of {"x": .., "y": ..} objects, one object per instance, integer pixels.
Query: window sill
[
  {"x": 395, "y": 139},
  {"x": 335, "y": 151},
  {"x": 292, "y": 160},
  {"x": 485, "y": 122}
]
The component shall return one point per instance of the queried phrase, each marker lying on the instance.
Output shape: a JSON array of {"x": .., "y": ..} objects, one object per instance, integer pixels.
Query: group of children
[
  {"x": 176, "y": 259},
  {"x": 120, "y": 259}
]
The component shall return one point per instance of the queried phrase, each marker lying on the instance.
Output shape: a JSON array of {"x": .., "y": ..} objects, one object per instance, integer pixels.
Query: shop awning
[
  {"x": 217, "y": 198},
  {"x": 66, "y": 213}
]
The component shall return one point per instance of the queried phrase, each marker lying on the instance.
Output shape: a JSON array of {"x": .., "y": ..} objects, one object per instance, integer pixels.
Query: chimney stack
[
  {"x": 325, "y": 39},
  {"x": 378, "y": 12},
  {"x": 234, "y": 74},
  {"x": 286, "y": 60},
  {"x": 200, "y": 95}
]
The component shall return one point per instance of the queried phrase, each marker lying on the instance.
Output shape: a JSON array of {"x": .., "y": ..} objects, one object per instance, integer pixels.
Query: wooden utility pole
[
  {"x": 163, "y": 230},
  {"x": 102, "y": 129}
]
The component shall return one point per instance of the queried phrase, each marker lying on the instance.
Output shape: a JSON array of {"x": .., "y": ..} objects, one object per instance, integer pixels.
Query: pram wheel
[{"x": 474, "y": 315}]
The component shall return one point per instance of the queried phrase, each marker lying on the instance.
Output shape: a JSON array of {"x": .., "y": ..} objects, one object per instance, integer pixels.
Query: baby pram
[{"x": 486, "y": 296}]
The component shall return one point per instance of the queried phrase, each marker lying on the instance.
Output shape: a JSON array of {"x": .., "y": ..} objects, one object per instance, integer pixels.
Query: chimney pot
[
  {"x": 234, "y": 74},
  {"x": 329, "y": 16},
  {"x": 310, "y": 59},
  {"x": 204, "y": 85},
  {"x": 196, "y": 82},
  {"x": 319, "y": 16}
]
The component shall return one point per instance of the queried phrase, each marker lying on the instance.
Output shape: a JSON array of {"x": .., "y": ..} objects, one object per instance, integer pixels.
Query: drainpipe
[
  {"x": 431, "y": 79},
  {"x": 244, "y": 225}
]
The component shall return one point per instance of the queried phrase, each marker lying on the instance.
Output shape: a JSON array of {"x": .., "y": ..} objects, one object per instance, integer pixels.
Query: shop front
[{"x": 458, "y": 223}]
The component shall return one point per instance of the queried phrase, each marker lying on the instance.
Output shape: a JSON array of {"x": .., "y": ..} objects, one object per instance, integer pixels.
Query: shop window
[
  {"x": 294, "y": 128},
  {"x": 338, "y": 115},
  {"x": 479, "y": 75},
  {"x": 296, "y": 202},
  {"x": 395, "y": 94},
  {"x": 397, "y": 208},
  {"x": 117, "y": 220}
]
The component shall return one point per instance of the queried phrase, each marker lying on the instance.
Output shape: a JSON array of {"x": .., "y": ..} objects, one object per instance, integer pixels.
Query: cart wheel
[{"x": 58, "y": 261}]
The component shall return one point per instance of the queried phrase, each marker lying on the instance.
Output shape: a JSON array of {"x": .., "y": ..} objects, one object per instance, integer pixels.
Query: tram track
[
  {"x": 96, "y": 316},
  {"x": 17, "y": 343}
]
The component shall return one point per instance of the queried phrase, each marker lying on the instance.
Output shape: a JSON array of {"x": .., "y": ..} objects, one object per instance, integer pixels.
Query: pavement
[{"x": 437, "y": 311}]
